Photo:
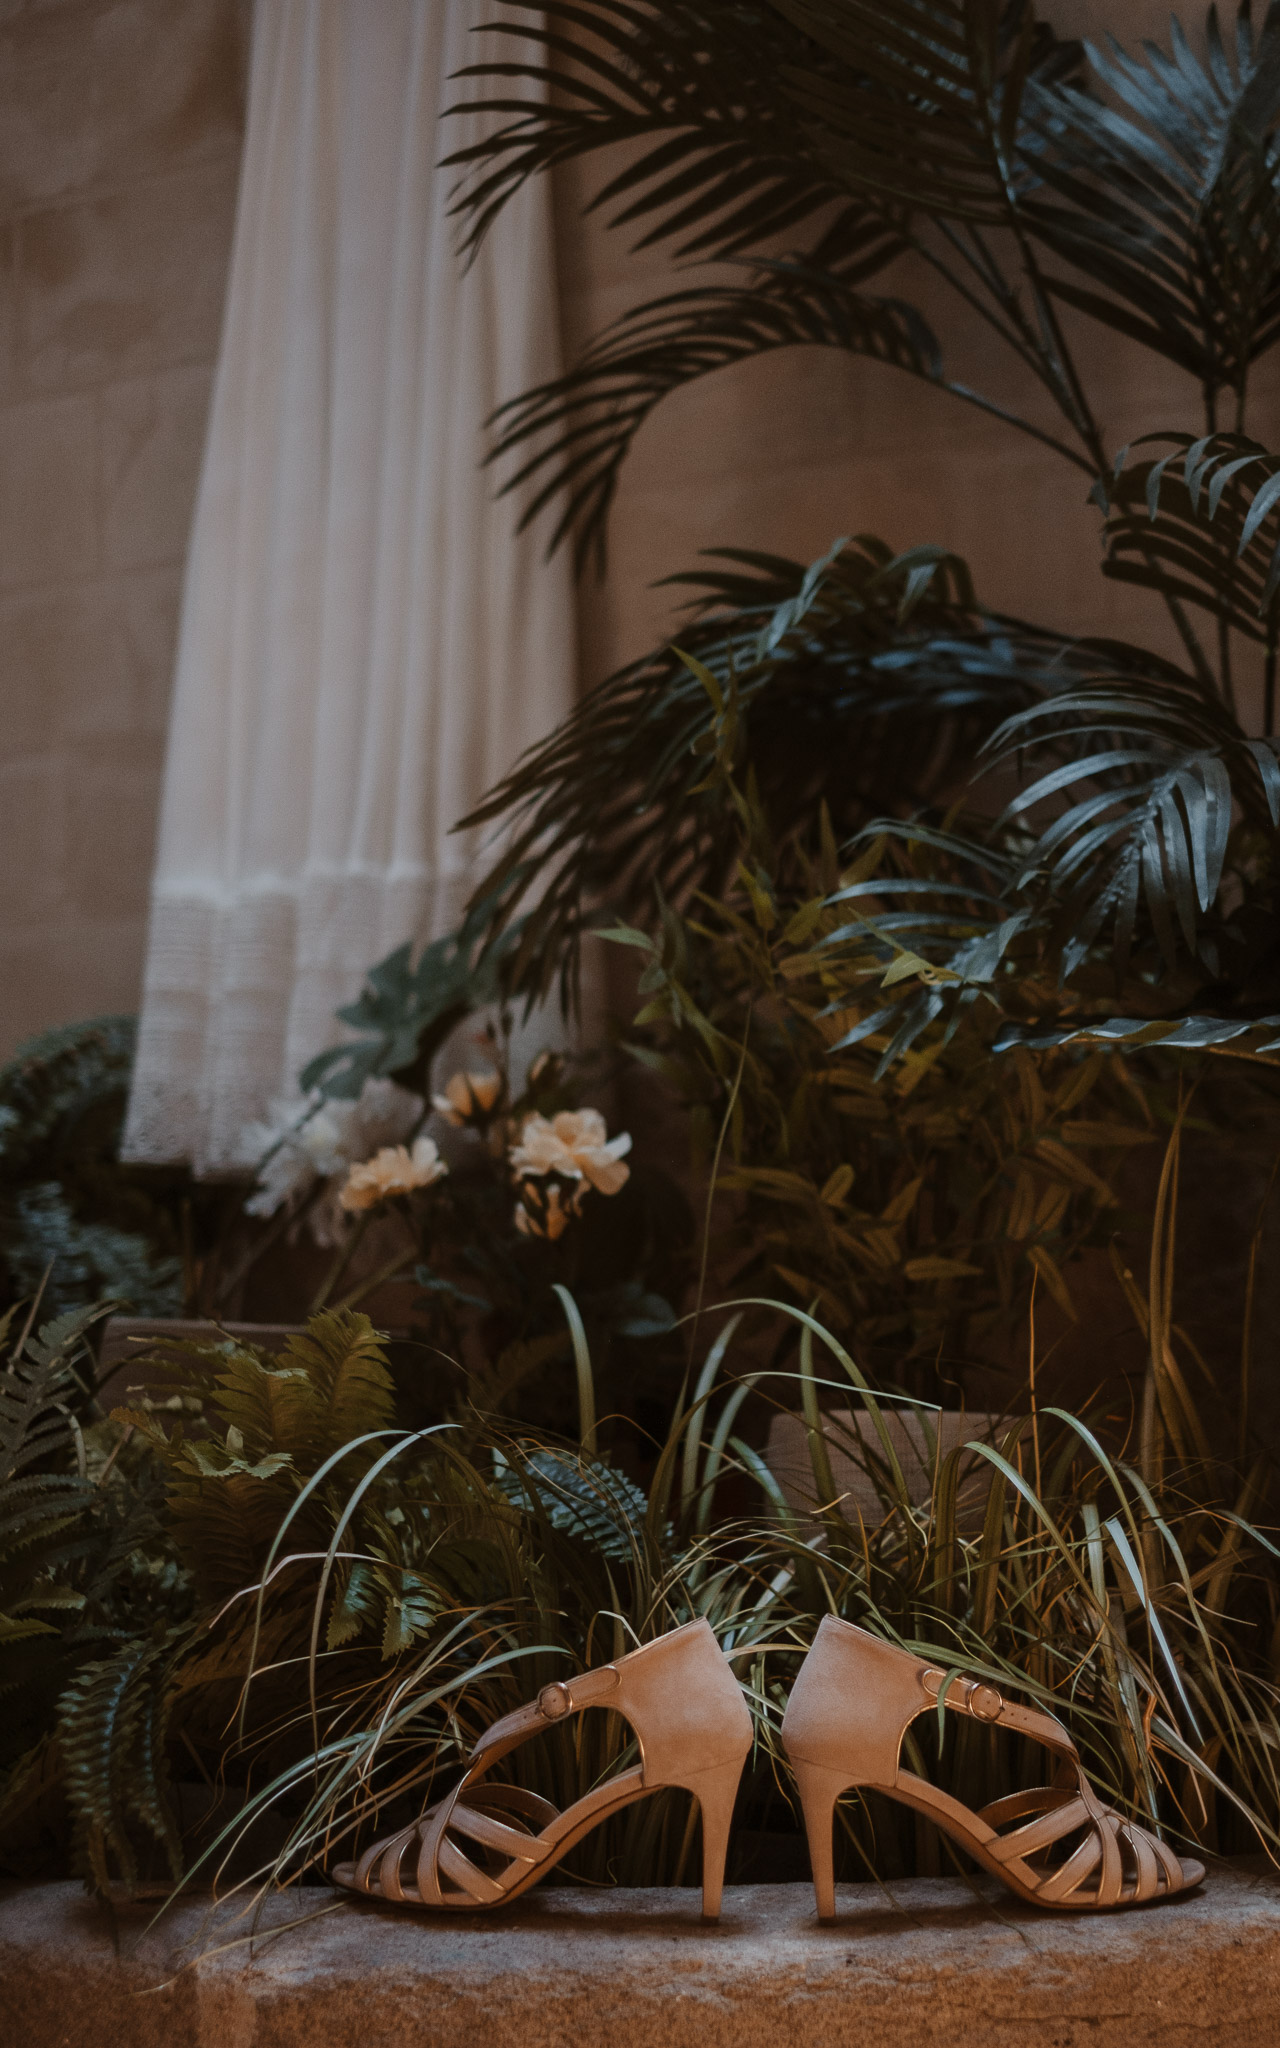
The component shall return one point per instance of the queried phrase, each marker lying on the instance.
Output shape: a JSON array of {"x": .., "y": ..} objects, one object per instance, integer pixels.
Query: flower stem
[{"x": 340, "y": 1264}]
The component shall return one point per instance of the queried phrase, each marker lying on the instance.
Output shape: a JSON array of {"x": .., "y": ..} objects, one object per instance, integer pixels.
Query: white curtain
[{"x": 365, "y": 645}]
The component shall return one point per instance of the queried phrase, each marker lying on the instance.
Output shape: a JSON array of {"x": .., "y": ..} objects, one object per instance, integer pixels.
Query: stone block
[
  {"x": 153, "y": 432},
  {"x": 126, "y": 681},
  {"x": 101, "y": 91},
  {"x": 112, "y": 797},
  {"x": 48, "y": 527},
  {"x": 934, "y": 1963},
  {"x": 126, "y": 282},
  {"x": 32, "y": 839},
  {"x": 91, "y": 658},
  {"x": 67, "y": 970},
  {"x": 8, "y": 311}
]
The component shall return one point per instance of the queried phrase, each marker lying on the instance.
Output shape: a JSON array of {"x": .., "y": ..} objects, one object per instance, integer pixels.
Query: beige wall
[
  {"x": 119, "y": 136},
  {"x": 120, "y": 127}
]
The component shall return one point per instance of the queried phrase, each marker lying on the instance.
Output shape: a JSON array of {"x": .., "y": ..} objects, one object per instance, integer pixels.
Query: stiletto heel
[
  {"x": 819, "y": 1789},
  {"x": 716, "y": 1792},
  {"x": 484, "y": 1844},
  {"x": 849, "y": 1709}
]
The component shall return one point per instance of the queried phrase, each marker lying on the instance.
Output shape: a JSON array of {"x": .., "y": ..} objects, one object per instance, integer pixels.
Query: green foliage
[
  {"x": 67, "y": 1207},
  {"x": 1138, "y": 190},
  {"x": 267, "y": 1426},
  {"x": 407, "y": 1011},
  {"x": 864, "y": 677},
  {"x": 1129, "y": 1594},
  {"x": 73, "y": 1579},
  {"x": 601, "y": 1506},
  {"x": 914, "y": 1203},
  {"x": 879, "y": 1010},
  {"x": 395, "y": 1591}
]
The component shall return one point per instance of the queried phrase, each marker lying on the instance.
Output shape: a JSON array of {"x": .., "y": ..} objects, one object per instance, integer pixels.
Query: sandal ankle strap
[
  {"x": 556, "y": 1702},
  {"x": 985, "y": 1702}
]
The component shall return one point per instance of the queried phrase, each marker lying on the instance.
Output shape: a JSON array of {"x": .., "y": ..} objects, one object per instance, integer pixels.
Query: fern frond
[{"x": 111, "y": 1723}]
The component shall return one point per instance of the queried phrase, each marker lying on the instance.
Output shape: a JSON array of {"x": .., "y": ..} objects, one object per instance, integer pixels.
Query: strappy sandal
[
  {"x": 849, "y": 1709},
  {"x": 485, "y": 1844}
]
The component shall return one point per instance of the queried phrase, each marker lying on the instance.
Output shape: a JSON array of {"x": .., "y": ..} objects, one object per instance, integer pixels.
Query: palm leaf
[
  {"x": 1206, "y": 526},
  {"x": 727, "y": 161},
  {"x": 923, "y": 104},
  {"x": 1193, "y": 1033},
  {"x": 1148, "y": 789},
  {"x": 856, "y": 681},
  {"x": 581, "y": 426},
  {"x": 1162, "y": 193}
]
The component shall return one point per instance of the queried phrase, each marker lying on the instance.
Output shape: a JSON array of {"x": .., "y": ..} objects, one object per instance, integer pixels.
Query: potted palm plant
[{"x": 840, "y": 930}]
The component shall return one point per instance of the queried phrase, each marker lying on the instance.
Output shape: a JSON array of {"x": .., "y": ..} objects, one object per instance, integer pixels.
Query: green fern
[
  {"x": 270, "y": 1421},
  {"x": 580, "y": 1497},
  {"x": 53, "y": 1542},
  {"x": 73, "y": 1220},
  {"x": 112, "y": 1731}
]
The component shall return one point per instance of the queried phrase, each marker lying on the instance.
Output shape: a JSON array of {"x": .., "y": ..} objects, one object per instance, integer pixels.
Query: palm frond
[
  {"x": 855, "y": 680},
  {"x": 1255, "y": 1036},
  {"x": 581, "y": 426},
  {"x": 727, "y": 162},
  {"x": 1163, "y": 193},
  {"x": 1203, "y": 521},
  {"x": 922, "y": 104},
  {"x": 1149, "y": 787}
]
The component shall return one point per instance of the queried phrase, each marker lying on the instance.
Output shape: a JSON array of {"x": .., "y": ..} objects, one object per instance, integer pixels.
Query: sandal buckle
[
  {"x": 985, "y": 1703},
  {"x": 554, "y": 1701}
]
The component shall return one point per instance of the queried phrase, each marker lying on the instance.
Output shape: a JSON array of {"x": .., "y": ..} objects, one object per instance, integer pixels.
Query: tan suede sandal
[
  {"x": 485, "y": 1844},
  {"x": 849, "y": 1709}
]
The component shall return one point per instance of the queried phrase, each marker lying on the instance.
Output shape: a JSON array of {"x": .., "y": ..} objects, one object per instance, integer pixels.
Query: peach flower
[
  {"x": 576, "y": 1144},
  {"x": 393, "y": 1171}
]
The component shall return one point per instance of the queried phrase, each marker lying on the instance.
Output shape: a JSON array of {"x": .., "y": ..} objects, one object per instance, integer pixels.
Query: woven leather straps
[{"x": 1116, "y": 1862}]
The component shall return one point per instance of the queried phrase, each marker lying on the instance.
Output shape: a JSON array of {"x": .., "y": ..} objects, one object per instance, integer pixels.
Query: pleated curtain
[{"x": 365, "y": 644}]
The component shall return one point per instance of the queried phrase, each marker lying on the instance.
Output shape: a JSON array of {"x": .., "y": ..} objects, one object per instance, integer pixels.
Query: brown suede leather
[
  {"x": 855, "y": 1696},
  {"x": 686, "y": 1706}
]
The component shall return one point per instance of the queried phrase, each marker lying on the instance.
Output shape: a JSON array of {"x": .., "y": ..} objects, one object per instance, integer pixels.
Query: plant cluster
[
  {"x": 269, "y": 1592},
  {"x": 68, "y": 1208},
  {"x": 779, "y": 809},
  {"x": 906, "y": 1198},
  {"x": 917, "y": 1027},
  {"x": 518, "y": 1192}
]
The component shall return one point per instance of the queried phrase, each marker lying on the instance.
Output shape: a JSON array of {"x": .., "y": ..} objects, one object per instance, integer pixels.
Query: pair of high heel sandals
[{"x": 855, "y": 1697}]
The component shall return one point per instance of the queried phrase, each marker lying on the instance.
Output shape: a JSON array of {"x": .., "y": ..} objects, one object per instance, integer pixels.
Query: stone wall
[{"x": 120, "y": 124}]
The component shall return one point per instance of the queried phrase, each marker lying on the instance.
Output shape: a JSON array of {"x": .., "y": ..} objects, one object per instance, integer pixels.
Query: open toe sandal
[
  {"x": 1057, "y": 1846},
  {"x": 485, "y": 1843}
]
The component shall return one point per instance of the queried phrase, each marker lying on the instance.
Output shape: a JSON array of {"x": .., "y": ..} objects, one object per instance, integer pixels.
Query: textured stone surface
[
  {"x": 934, "y": 1962},
  {"x": 119, "y": 156}
]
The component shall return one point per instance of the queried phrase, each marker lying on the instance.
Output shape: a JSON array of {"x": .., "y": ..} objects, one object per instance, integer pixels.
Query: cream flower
[
  {"x": 575, "y": 1143},
  {"x": 393, "y": 1171},
  {"x": 306, "y": 1139},
  {"x": 468, "y": 1098}
]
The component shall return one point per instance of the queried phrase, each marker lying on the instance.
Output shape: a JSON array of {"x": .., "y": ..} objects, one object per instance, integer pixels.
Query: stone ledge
[{"x": 933, "y": 1962}]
